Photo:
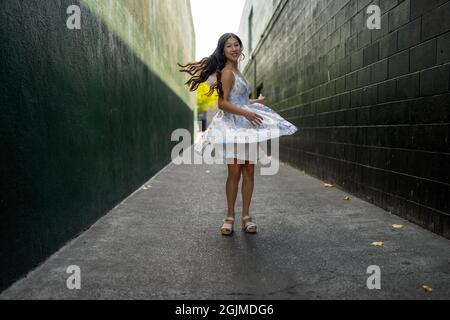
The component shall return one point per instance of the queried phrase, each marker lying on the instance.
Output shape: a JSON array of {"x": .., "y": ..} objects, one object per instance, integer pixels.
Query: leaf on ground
[
  {"x": 426, "y": 288},
  {"x": 377, "y": 244},
  {"x": 327, "y": 185},
  {"x": 397, "y": 226},
  {"x": 347, "y": 198}
]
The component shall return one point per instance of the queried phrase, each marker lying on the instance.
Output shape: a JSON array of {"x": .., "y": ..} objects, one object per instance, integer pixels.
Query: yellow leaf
[
  {"x": 397, "y": 226},
  {"x": 427, "y": 288},
  {"x": 377, "y": 244},
  {"x": 327, "y": 185}
]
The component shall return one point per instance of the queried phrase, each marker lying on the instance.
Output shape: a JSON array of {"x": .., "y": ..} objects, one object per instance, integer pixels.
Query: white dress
[{"x": 232, "y": 136}]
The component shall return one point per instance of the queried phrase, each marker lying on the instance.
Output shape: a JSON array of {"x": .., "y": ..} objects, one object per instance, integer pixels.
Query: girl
[{"x": 240, "y": 120}]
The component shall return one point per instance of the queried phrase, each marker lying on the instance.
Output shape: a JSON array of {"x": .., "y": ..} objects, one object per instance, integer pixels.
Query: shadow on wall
[{"x": 84, "y": 123}]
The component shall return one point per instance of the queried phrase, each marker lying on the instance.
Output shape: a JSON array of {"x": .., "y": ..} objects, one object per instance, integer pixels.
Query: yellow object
[{"x": 427, "y": 288}]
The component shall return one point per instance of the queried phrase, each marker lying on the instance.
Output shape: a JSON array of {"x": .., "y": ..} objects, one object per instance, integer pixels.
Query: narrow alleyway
[{"x": 163, "y": 242}]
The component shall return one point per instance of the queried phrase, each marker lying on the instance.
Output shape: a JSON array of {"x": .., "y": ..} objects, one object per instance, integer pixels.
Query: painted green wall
[{"x": 86, "y": 115}]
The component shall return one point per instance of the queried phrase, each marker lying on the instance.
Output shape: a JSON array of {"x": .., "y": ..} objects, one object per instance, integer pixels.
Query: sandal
[
  {"x": 247, "y": 225},
  {"x": 227, "y": 228}
]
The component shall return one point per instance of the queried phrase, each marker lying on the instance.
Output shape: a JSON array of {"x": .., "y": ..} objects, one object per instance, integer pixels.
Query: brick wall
[{"x": 372, "y": 106}]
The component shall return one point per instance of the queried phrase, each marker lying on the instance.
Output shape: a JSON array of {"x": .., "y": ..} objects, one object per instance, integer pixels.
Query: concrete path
[{"x": 164, "y": 243}]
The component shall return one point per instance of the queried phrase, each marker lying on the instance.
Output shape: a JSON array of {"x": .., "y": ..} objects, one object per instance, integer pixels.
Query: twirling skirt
[{"x": 234, "y": 137}]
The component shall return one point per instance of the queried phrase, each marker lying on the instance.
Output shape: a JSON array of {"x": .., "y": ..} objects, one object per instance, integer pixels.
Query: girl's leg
[
  {"x": 248, "y": 172},
  {"x": 234, "y": 175}
]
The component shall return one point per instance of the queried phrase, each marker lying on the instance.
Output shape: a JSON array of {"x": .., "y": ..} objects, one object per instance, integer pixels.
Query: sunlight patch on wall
[{"x": 159, "y": 32}]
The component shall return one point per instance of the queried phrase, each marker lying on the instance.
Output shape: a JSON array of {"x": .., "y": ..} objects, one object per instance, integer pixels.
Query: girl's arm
[{"x": 224, "y": 104}]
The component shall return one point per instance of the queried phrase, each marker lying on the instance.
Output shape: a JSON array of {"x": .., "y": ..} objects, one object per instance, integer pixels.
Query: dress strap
[
  {"x": 238, "y": 76},
  {"x": 235, "y": 75}
]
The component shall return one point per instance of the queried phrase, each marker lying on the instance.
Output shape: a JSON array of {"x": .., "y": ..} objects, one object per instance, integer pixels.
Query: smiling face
[{"x": 232, "y": 49}]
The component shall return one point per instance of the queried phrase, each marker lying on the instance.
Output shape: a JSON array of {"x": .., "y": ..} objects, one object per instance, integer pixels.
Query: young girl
[{"x": 240, "y": 120}]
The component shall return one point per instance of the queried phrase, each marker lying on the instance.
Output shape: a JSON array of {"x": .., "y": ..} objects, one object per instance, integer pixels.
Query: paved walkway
[{"x": 164, "y": 243}]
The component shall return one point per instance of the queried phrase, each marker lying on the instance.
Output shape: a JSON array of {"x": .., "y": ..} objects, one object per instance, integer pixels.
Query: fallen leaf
[
  {"x": 327, "y": 185},
  {"x": 347, "y": 198},
  {"x": 377, "y": 244},
  {"x": 397, "y": 226},
  {"x": 427, "y": 288}
]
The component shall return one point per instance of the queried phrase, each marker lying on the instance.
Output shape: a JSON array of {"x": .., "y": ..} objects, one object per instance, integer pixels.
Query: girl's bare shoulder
[{"x": 228, "y": 73}]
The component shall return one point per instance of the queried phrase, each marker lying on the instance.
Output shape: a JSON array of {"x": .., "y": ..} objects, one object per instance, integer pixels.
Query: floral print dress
[{"x": 227, "y": 129}]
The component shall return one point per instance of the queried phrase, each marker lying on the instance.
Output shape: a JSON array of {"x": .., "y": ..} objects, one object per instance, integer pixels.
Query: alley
[{"x": 163, "y": 242}]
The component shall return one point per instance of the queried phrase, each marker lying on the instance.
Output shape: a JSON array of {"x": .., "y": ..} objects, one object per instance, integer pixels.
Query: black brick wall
[{"x": 372, "y": 106}]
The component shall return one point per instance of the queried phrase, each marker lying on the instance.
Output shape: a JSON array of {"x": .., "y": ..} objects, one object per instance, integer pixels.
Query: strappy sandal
[
  {"x": 247, "y": 225},
  {"x": 227, "y": 228}
]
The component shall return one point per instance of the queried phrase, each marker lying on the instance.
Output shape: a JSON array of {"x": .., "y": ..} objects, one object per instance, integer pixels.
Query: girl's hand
[
  {"x": 253, "y": 117},
  {"x": 261, "y": 99}
]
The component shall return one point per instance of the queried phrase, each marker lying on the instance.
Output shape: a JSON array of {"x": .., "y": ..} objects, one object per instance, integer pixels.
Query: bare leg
[
  {"x": 248, "y": 172},
  {"x": 234, "y": 175}
]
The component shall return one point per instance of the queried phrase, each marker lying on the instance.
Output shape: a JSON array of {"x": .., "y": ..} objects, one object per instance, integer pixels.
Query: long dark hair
[{"x": 203, "y": 69}]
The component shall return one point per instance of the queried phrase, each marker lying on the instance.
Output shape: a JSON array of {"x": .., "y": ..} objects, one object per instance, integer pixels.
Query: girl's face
[{"x": 232, "y": 49}]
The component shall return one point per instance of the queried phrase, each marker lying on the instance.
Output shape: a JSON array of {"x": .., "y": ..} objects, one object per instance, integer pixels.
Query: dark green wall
[{"x": 83, "y": 124}]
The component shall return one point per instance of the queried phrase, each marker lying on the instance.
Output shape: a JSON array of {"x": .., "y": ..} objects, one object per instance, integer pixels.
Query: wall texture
[
  {"x": 372, "y": 106},
  {"x": 261, "y": 11},
  {"x": 86, "y": 115}
]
